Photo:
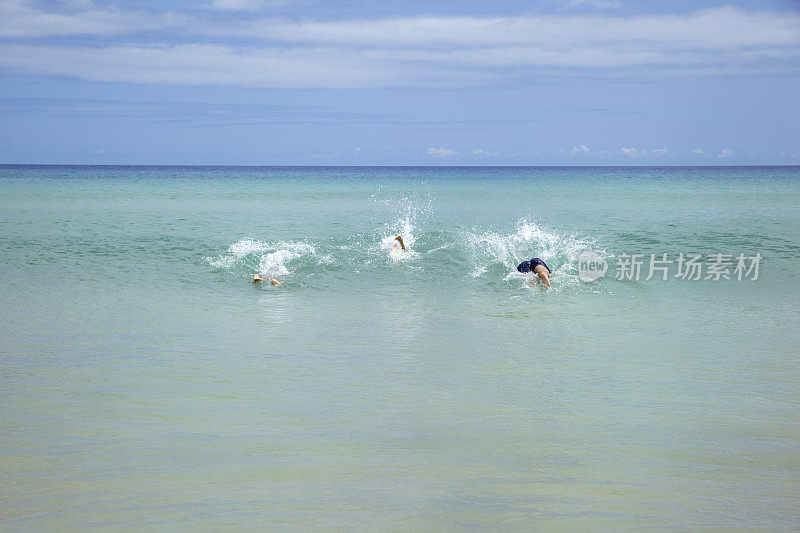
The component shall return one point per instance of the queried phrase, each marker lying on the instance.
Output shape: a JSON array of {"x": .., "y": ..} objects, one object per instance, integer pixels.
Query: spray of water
[
  {"x": 488, "y": 255},
  {"x": 498, "y": 254},
  {"x": 248, "y": 256},
  {"x": 403, "y": 223}
]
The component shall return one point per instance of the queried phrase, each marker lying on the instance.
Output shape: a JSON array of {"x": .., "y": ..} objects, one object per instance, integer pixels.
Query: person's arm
[{"x": 545, "y": 275}]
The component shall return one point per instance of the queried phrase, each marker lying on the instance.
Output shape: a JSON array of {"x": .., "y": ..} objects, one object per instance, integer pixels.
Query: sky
[{"x": 365, "y": 82}]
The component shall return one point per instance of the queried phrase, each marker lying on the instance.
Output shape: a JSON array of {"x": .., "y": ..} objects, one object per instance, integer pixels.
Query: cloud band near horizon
[{"x": 187, "y": 48}]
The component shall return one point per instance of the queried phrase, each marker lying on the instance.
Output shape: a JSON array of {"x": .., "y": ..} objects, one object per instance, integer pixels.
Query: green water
[{"x": 147, "y": 383}]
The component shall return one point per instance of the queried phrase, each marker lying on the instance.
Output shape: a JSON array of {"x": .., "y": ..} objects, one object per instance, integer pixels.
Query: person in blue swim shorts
[{"x": 538, "y": 267}]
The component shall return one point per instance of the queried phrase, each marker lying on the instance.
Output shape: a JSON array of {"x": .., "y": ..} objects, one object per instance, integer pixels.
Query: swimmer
[
  {"x": 538, "y": 267},
  {"x": 257, "y": 278},
  {"x": 399, "y": 239}
]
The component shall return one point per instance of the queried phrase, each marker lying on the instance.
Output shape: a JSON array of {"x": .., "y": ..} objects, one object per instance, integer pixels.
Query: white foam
[
  {"x": 269, "y": 260},
  {"x": 403, "y": 226},
  {"x": 246, "y": 247},
  {"x": 274, "y": 264},
  {"x": 558, "y": 250}
]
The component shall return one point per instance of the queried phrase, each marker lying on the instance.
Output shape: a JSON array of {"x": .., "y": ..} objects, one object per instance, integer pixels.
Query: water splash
[
  {"x": 499, "y": 254},
  {"x": 439, "y": 257},
  {"x": 404, "y": 224},
  {"x": 249, "y": 256}
]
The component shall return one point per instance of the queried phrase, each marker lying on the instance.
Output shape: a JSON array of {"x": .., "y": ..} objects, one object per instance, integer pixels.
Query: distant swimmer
[
  {"x": 399, "y": 239},
  {"x": 257, "y": 278},
  {"x": 538, "y": 267}
]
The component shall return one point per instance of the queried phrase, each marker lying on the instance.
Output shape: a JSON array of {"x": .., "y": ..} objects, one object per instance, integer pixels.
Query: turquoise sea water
[{"x": 147, "y": 383}]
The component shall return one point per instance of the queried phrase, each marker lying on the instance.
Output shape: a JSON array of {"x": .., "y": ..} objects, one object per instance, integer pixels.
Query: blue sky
[{"x": 304, "y": 82}]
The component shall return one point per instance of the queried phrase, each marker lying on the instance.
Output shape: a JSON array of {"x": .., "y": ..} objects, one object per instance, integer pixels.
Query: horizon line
[{"x": 192, "y": 165}]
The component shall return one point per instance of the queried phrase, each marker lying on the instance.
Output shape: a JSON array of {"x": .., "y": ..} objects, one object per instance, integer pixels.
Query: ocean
[{"x": 147, "y": 383}]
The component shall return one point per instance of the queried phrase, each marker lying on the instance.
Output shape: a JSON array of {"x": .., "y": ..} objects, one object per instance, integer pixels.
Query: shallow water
[{"x": 147, "y": 383}]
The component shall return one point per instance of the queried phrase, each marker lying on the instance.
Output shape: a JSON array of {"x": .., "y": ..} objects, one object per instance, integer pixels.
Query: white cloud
[
  {"x": 595, "y": 4},
  {"x": 20, "y": 19},
  {"x": 698, "y": 151},
  {"x": 199, "y": 64},
  {"x": 440, "y": 152},
  {"x": 244, "y": 5},
  {"x": 715, "y": 29},
  {"x": 424, "y": 51},
  {"x": 561, "y": 150},
  {"x": 725, "y": 153},
  {"x": 482, "y": 152},
  {"x": 636, "y": 152},
  {"x": 580, "y": 149},
  {"x": 632, "y": 152}
]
